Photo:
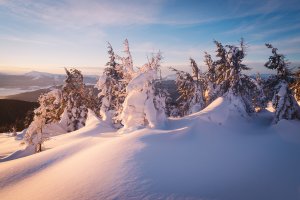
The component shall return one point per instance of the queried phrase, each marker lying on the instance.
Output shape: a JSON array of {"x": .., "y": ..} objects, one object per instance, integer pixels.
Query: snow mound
[
  {"x": 193, "y": 158},
  {"x": 223, "y": 109}
]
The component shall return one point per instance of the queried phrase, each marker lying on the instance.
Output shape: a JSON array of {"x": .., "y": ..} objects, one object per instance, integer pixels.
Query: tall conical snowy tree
[
  {"x": 111, "y": 86},
  {"x": 283, "y": 101},
  {"x": 74, "y": 100},
  {"x": 125, "y": 68}
]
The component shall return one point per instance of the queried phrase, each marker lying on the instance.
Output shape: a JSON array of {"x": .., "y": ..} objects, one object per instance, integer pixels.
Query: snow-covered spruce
[
  {"x": 211, "y": 88},
  {"x": 74, "y": 101},
  {"x": 144, "y": 106},
  {"x": 126, "y": 63},
  {"x": 283, "y": 100},
  {"x": 295, "y": 86},
  {"x": 232, "y": 83},
  {"x": 190, "y": 89},
  {"x": 112, "y": 89},
  {"x": 260, "y": 100},
  {"x": 48, "y": 112}
]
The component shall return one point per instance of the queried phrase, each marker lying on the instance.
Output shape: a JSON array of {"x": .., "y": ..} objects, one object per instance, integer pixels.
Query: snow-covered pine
[
  {"x": 49, "y": 111},
  {"x": 232, "y": 83},
  {"x": 74, "y": 100},
  {"x": 198, "y": 102},
  {"x": 283, "y": 100},
  {"x": 112, "y": 89},
  {"x": 190, "y": 89},
  {"x": 185, "y": 88},
  {"x": 211, "y": 88},
  {"x": 144, "y": 106},
  {"x": 259, "y": 97},
  {"x": 222, "y": 69},
  {"x": 126, "y": 63},
  {"x": 127, "y": 73},
  {"x": 295, "y": 86}
]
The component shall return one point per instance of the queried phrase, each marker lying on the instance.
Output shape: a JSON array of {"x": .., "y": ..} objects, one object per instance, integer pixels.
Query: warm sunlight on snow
[{"x": 203, "y": 103}]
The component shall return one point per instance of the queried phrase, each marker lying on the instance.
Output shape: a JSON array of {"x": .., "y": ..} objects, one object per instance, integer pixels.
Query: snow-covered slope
[{"x": 213, "y": 154}]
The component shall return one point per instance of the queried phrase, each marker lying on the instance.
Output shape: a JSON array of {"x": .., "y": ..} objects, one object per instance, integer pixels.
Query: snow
[{"x": 212, "y": 154}]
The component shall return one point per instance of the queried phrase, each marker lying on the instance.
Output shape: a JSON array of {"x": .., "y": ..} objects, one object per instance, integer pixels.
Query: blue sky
[{"x": 47, "y": 35}]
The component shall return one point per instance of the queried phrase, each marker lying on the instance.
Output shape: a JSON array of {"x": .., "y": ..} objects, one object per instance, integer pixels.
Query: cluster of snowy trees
[
  {"x": 128, "y": 96},
  {"x": 132, "y": 97},
  {"x": 225, "y": 78},
  {"x": 67, "y": 106}
]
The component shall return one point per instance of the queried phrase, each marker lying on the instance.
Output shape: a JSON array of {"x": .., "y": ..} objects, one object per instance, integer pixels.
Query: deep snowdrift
[{"x": 213, "y": 154}]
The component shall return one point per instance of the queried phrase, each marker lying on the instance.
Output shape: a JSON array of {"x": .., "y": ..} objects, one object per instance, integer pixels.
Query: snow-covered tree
[
  {"x": 210, "y": 80},
  {"x": 222, "y": 69},
  {"x": 126, "y": 63},
  {"x": 295, "y": 86},
  {"x": 127, "y": 73},
  {"x": 74, "y": 100},
  {"x": 49, "y": 111},
  {"x": 259, "y": 97},
  {"x": 234, "y": 85},
  {"x": 283, "y": 101},
  {"x": 144, "y": 105},
  {"x": 112, "y": 89},
  {"x": 190, "y": 89}
]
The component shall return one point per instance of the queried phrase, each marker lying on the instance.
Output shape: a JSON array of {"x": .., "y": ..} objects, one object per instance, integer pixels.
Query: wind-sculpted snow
[{"x": 212, "y": 154}]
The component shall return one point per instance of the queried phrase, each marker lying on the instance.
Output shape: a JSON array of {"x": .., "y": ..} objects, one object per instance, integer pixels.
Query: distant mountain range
[
  {"x": 37, "y": 79},
  {"x": 34, "y": 80}
]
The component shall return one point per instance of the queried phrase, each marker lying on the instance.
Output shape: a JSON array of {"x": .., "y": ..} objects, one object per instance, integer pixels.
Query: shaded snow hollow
[{"x": 212, "y": 154}]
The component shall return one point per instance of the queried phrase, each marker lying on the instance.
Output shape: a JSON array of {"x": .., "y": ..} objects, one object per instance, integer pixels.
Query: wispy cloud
[
  {"x": 76, "y": 13},
  {"x": 16, "y": 39}
]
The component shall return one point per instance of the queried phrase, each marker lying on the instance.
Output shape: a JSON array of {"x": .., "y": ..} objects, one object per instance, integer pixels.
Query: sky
[{"x": 48, "y": 35}]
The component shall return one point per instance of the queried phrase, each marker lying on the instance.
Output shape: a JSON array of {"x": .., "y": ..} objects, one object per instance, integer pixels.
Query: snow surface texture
[{"x": 212, "y": 154}]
